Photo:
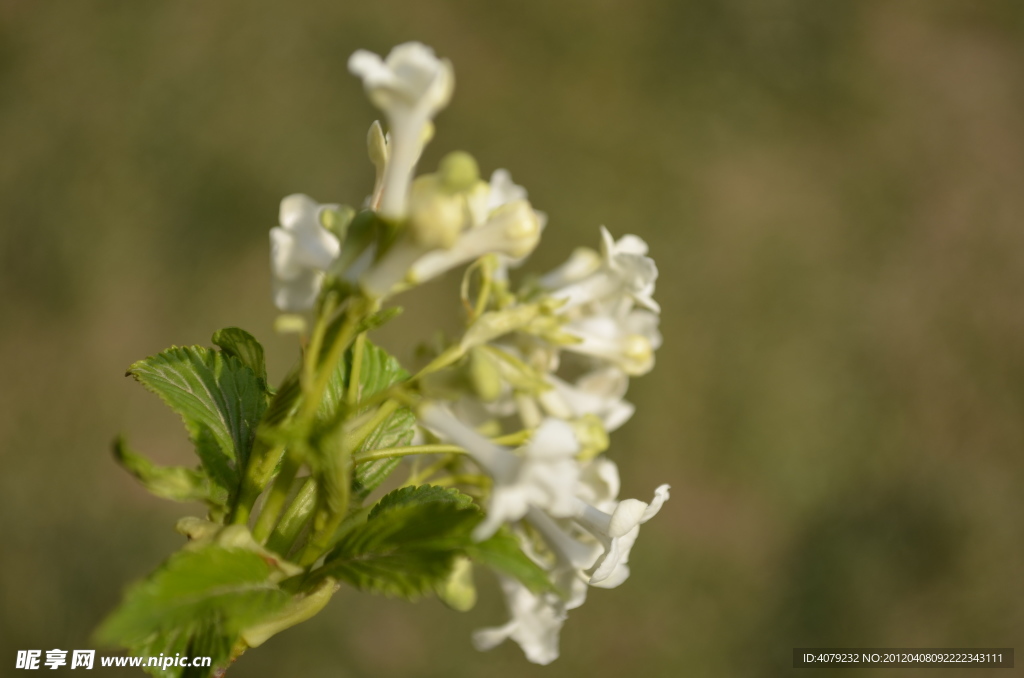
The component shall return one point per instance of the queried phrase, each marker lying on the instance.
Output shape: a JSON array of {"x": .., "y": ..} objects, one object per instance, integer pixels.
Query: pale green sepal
[
  {"x": 239, "y": 343},
  {"x": 493, "y": 324},
  {"x": 297, "y": 611},
  {"x": 458, "y": 591},
  {"x": 168, "y": 482},
  {"x": 197, "y": 529},
  {"x": 484, "y": 375}
]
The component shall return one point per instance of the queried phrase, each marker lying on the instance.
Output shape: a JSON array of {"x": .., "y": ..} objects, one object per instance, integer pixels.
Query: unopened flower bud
[{"x": 458, "y": 171}]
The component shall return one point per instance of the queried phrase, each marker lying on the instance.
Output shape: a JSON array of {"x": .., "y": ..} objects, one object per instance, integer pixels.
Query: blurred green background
[{"x": 833, "y": 190}]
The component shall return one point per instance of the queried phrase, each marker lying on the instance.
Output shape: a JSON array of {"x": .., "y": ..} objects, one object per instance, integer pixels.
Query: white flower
[
  {"x": 599, "y": 393},
  {"x": 582, "y": 263},
  {"x": 449, "y": 228},
  {"x": 301, "y": 249},
  {"x": 536, "y": 622},
  {"x": 512, "y": 230},
  {"x": 537, "y": 619},
  {"x": 627, "y": 342},
  {"x": 596, "y": 541},
  {"x": 543, "y": 474},
  {"x": 411, "y": 86},
  {"x": 625, "y": 273},
  {"x": 617, "y": 531}
]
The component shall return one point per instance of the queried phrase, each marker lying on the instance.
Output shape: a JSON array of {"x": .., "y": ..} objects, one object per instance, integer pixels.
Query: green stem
[
  {"x": 423, "y": 475},
  {"x": 313, "y": 394},
  {"x": 276, "y": 499},
  {"x": 357, "y": 366},
  {"x": 388, "y": 452},
  {"x": 257, "y": 474},
  {"x": 485, "y": 292},
  {"x": 356, "y": 438},
  {"x": 295, "y": 517},
  {"x": 516, "y": 439},
  {"x": 312, "y": 355},
  {"x": 444, "y": 360},
  {"x": 465, "y": 479}
]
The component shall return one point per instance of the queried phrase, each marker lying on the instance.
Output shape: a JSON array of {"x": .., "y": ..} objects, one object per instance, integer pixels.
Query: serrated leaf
[
  {"x": 408, "y": 544},
  {"x": 234, "y": 587},
  {"x": 284, "y": 402},
  {"x": 421, "y": 494},
  {"x": 502, "y": 553},
  {"x": 378, "y": 371},
  {"x": 169, "y": 482},
  {"x": 239, "y": 343},
  {"x": 220, "y": 400},
  {"x": 201, "y": 639}
]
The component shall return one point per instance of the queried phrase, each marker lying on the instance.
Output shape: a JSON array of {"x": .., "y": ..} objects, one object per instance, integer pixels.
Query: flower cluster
[{"x": 532, "y": 389}]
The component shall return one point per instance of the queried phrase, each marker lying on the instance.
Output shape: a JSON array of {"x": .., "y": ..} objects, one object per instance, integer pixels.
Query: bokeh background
[{"x": 834, "y": 192}]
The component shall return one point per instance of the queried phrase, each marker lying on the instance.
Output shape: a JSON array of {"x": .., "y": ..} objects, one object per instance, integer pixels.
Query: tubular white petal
[
  {"x": 580, "y": 555},
  {"x": 660, "y": 497},
  {"x": 410, "y": 87},
  {"x": 299, "y": 293},
  {"x": 614, "y": 558},
  {"x": 535, "y": 624},
  {"x": 494, "y": 459}
]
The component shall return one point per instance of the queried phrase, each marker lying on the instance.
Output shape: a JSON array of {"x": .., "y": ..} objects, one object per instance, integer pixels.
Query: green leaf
[
  {"x": 169, "y": 482},
  {"x": 408, "y": 544},
  {"x": 232, "y": 587},
  {"x": 200, "y": 639},
  {"x": 284, "y": 403},
  {"x": 378, "y": 371},
  {"x": 199, "y": 602},
  {"x": 220, "y": 400},
  {"x": 502, "y": 553},
  {"x": 421, "y": 494},
  {"x": 239, "y": 343}
]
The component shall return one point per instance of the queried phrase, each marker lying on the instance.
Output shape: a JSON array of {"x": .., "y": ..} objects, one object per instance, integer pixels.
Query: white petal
[
  {"x": 581, "y": 263},
  {"x": 660, "y": 497},
  {"x": 627, "y": 516},
  {"x": 503, "y": 189},
  {"x": 599, "y": 483},
  {"x": 283, "y": 262},
  {"x": 553, "y": 438},
  {"x": 486, "y": 639},
  {"x": 298, "y": 294},
  {"x": 614, "y": 558},
  {"x": 298, "y": 211}
]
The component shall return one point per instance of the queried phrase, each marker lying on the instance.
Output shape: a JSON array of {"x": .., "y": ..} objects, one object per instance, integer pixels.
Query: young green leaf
[
  {"x": 220, "y": 400},
  {"x": 503, "y": 554},
  {"x": 378, "y": 371},
  {"x": 168, "y": 482},
  {"x": 234, "y": 587},
  {"x": 407, "y": 545},
  {"x": 239, "y": 343},
  {"x": 200, "y": 639}
]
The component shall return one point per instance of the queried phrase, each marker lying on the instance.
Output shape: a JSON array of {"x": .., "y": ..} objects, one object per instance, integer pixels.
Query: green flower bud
[
  {"x": 458, "y": 171},
  {"x": 458, "y": 591}
]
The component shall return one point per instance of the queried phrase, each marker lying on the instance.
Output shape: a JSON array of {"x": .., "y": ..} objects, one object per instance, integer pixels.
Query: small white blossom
[
  {"x": 301, "y": 249},
  {"x": 617, "y": 531},
  {"x": 411, "y": 86},
  {"x": 625, "y": 273},
  {"x": 450, "y": 228},
  {"x": 512, "y": 230},
  {"x": 596, "y": 541},
  {"x": 543, "y": 474},
  {"x": 536, "y": 622},
  {"x": 627, "y": 342},
  {"x": 599, "y": 393}
]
